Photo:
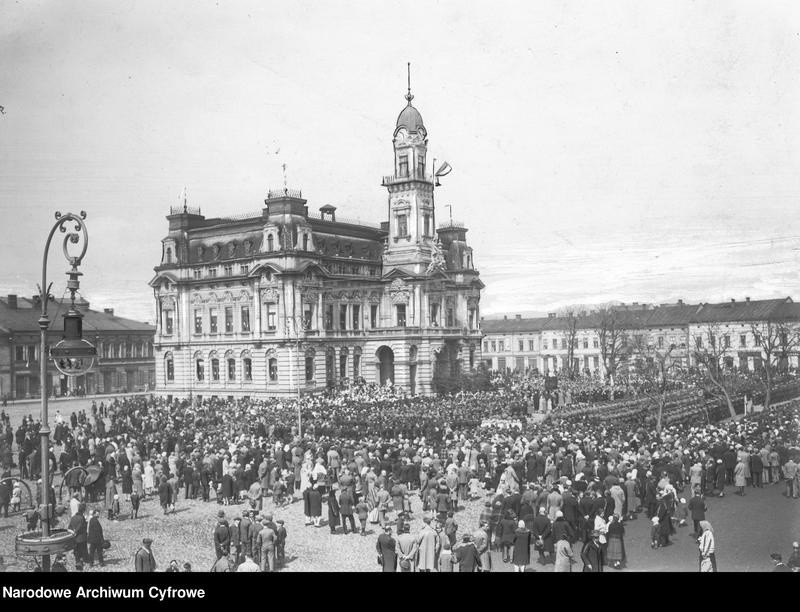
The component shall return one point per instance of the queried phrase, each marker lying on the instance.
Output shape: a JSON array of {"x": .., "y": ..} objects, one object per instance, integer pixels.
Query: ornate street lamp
[{"x": 73, "y": 356}]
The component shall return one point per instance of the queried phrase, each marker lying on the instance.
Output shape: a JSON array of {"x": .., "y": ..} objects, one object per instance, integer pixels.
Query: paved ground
[{"x": 747, "y": 530}]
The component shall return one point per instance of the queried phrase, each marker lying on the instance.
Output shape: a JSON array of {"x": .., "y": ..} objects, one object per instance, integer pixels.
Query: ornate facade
[{"x": 286, "y": 301}]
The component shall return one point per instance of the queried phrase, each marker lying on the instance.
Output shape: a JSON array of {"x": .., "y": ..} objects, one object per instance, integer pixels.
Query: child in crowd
[
  {"x": 362, "y": 510},
  {"x": 16, "y": 497},
  {"x": 654, "y": 533},
  {"x": 135, "y": 501},
  {"x": 113, "y": 511}
]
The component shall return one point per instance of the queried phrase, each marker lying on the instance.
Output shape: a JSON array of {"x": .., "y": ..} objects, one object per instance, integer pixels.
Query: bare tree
[
  {"x": 777, "y": 340},
  {"x": 655, "y": 367},
  {"x": 613, "y": 339},
  {"x": 712, "y": 356}
]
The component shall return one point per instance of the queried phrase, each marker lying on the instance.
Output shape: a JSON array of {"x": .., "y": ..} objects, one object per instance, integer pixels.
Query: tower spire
[{"x": 409, "y": 97}]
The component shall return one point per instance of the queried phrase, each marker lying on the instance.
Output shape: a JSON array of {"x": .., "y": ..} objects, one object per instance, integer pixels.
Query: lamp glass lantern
[{"x": 73, "y": 356}]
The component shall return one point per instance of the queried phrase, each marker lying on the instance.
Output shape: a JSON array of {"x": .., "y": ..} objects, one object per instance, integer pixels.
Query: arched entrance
[{"x": 385, "y": 365}]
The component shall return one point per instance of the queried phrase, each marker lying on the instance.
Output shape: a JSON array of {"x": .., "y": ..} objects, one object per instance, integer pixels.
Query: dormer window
[{"x": 402, "y": 169}]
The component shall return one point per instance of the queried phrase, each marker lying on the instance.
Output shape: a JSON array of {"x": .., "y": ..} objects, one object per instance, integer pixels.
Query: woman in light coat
[
  {"x": 564, "y": 557},
  {"x": 138, "y": 482},
  {"x": 739, "y": 479},
  {"x": 149, "y": 478}
]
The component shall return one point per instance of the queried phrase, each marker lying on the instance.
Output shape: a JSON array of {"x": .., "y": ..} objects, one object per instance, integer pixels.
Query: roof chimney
[
  {"x": 680, "y": 302},
  {"x": 733, "y": 300},
  {"x": 12, "y": 301},
  {"x": 109, "y": 311},
  {"x": 505, "y": 317},
  {"x": 747, "y": 299},
  {"x": 519, "y": 317}
]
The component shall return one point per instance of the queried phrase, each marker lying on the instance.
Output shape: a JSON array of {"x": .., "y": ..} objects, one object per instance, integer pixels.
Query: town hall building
[{"x": 291, "y": 301}]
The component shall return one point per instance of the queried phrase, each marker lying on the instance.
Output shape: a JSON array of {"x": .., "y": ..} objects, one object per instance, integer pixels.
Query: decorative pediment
[
  {"x": 269, "y": 295},
  {"x": 399, "y": 291},
  {"x": 374, "y": 297},
  {"x": 310, "y": 296}
]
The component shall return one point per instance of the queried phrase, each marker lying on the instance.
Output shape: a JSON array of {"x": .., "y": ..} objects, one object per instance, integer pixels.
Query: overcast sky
[{"x": 636, "y": 150}]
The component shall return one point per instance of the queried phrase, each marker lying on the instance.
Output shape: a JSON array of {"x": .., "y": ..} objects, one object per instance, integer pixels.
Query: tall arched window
[
  {"x": 270, "y": 243},
  {"x": 230, "y": 361},
  {"x": 169, "y": 367},
  {"x": 199, "y": 367},
  {"x": 247, "y": 366},
  {"x": 214, "y": 366},
  {"x": 168, "y": 257}
]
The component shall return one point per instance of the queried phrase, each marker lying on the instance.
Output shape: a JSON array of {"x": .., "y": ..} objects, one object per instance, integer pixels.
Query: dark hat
[
  {"x": 147, "y": 541},
  {"x": 221, "y": 514},
  {"x": 279, "y": 521}
]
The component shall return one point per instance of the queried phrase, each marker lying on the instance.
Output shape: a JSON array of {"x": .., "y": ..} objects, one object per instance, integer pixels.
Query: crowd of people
[{"x": 564, "y": 487}]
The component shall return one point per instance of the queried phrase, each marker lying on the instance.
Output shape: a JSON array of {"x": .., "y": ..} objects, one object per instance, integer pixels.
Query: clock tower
[{"x": 410, "y": 208}]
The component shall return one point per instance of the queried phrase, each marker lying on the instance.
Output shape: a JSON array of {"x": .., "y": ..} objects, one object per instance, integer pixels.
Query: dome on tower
[{"x": 410, "y": 119}]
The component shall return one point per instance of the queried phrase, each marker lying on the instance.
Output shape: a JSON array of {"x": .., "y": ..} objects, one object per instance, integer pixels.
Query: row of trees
[{"x": 659, "y": 366}]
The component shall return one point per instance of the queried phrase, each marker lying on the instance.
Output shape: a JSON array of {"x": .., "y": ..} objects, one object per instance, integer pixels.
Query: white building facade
[{"x": 285, "y": 301}]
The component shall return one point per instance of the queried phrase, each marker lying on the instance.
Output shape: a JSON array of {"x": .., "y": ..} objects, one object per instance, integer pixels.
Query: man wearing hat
[
  {"x": 280, "y": 542},
  {"x": 428, "y": 546},
  {"x": 144, "y": 560},
  {"x": 387, "y": 550},
  {"x": 222, "y": 536},
  {"x": 467, "y": 555},
  {"x": 95, "y": 539},
  {"x": 265, "y": 542},
  {"x": 592, "y": 554}
]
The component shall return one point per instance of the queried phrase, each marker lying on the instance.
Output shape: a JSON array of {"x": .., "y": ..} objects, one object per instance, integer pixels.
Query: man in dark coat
[
  {"x": 697, "y": 509},
  {"x": 244, "y": 536},
  {"x": 756, "y": 468},
  {"x": 95, "y": 538},
  {"x": 729, "y": 461},
  {"x": 387, "y": 550},
  {"x": 467, "y": 555},
  {"x": 222, "y": 536},
  {"x": 346, "y": 504},
  {"x": 5, "y": 498},
  {"x": 592, "y": 554},
  {"x": 543, "y": 536},
  {"x": 165, "y": 494},
  {"x": 78, "y": 524},
  {"x": 571, "y": 510},
  {"x": 144, "y": 560}
]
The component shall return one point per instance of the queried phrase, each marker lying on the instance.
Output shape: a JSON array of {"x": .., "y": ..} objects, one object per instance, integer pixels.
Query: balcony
[{"x": 411, "y": 176}]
